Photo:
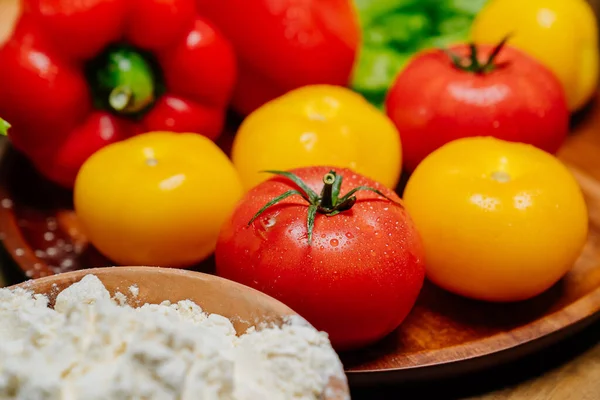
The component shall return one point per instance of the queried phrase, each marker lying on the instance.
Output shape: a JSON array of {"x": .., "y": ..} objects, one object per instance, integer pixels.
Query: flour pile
[{"x": 91, "y": 347}]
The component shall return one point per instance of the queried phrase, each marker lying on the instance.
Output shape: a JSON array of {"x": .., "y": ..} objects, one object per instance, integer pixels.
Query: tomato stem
[
  {"x": 328, "y": 202},
  {"x": 472, "y": 64}
]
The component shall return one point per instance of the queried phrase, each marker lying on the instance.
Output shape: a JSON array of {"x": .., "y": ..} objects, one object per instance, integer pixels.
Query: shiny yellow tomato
[
  {"x": 318, "y": 125},
  {"x": 500, "y": 221},
  {"x": 562, "y": 34},
  {"x": 156, "y": 199}
]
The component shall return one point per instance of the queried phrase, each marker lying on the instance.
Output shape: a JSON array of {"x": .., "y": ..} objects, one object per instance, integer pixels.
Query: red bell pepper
[
  {"x": 285, "y": 44},
  {"x": 77, "y": 75}
]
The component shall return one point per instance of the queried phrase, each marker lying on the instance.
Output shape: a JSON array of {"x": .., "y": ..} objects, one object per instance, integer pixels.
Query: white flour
[{"x": 91, "y": 347}]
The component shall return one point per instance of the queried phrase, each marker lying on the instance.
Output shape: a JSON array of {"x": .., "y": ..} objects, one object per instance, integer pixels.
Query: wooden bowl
[{"x": 244, "y": 306}]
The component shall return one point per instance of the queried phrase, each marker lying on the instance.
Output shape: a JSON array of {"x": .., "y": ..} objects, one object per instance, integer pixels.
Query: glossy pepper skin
[
  {"x": 49, "y": 77},
  {"x": 285, "y": 44}
]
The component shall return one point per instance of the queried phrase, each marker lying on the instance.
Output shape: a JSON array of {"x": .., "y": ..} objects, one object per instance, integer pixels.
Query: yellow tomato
[
  {"x": 562, "y": 34},
  {"x": 500, "y": 221},
  {"x": 159, "y": 198},
  {"x": 318, "y": 125}
]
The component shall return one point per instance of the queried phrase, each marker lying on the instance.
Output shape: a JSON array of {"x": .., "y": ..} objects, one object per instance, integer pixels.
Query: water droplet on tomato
[
  {"x": 334, "y": 242},
  {"x": 323, "y": 236},
  {"x": 322, "y": 247},
  {"x": 349, "y": 235},
  {"x": 269, "y": 222}
]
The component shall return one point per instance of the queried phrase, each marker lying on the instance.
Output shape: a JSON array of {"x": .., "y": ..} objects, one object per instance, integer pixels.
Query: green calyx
[
  {"x": 4, "y": 127},
  {"x": 472, "y": 64},
  {"x": 123, "y": 80},
  {"x": 329, "y": 202}
]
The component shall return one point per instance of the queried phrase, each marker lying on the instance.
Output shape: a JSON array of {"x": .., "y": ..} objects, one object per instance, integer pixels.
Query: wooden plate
[{"x": 444, "y": 334}]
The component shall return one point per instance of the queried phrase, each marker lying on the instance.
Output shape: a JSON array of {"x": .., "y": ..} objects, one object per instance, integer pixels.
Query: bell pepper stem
[
  {"x": 4, "y": 127},
  {"x": 125, "y": 80},
  {"x": 120, "y": 98}
]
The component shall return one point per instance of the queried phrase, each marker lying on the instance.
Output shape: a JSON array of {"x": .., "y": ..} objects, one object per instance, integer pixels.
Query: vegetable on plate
[
  {"x": 318, "y": 125},
  {"x": 78, "y": 75},
  {"x": 282, "y": 45},
  {"x": 335, "y": 246},
  {"x": 158, "y": 198},
  {"x": 563, "y": 35},
  {"x": 500, "y": 221},
  {"x": 476, "y": 90}
]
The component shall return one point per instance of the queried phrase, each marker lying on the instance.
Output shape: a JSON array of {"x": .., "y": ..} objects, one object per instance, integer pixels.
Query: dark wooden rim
[{"x": 572, "y": 314}]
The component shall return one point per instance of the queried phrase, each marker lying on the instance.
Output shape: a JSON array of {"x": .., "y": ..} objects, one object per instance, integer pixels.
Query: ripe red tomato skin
[
  {"x": 432, "y": 103},
  {"x": 357, "y": 281}
]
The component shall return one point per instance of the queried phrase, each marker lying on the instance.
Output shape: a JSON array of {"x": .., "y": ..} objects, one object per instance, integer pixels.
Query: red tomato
[
  {"x": 357, "y": 278},
  {"x": 434, "y": 101}
]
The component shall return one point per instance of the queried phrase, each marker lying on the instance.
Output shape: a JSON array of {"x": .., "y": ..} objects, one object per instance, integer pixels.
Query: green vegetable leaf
[
  {"x": 310, "y": 221},
  {"x": 369, "y": 189},
  {"x": 308, "y": 193},
  {"x": 275, "y": 201}
]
